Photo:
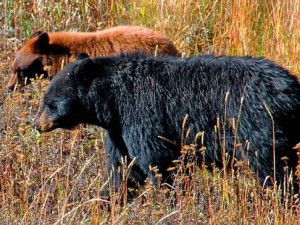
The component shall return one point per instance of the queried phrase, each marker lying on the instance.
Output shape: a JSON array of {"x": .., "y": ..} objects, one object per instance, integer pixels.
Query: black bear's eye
[{"x": 52, "y": 106}]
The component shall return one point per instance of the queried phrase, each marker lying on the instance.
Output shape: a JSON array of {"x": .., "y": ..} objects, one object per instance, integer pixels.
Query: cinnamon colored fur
[{"x": 46, "y": 53}]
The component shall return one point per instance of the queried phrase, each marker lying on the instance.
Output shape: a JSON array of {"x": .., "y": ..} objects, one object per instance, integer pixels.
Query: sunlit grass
[{"x": 57, "y": 177}]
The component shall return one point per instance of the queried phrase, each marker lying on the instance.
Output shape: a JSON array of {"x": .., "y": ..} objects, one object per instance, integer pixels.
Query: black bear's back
[{"x": 252, "y": 91}]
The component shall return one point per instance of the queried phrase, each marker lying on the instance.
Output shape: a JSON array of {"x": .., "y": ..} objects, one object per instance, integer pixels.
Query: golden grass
[{"x": 56, "y": 178}]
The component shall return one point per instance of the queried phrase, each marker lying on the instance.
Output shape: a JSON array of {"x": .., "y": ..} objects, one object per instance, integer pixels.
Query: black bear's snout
[
  {"x": 36, "y": 124},
  {"x": 43, "y": 122}
]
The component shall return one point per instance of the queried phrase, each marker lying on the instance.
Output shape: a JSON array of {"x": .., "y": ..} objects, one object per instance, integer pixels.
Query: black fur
[
  {"x": 137, "y": 99},
  {"x": 82, "y": 56}
]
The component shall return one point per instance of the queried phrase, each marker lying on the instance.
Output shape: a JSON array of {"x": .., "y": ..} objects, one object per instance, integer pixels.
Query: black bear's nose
[
  {"x": 43, "y": 122},
  {"x": 36, "y": 124}
]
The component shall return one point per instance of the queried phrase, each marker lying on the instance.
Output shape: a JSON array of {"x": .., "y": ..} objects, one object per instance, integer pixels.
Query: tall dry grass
[{"x": 56, "y": 178}]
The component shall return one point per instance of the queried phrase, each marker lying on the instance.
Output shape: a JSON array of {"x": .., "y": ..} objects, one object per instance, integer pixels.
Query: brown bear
[{"x": 46, "y": 53}]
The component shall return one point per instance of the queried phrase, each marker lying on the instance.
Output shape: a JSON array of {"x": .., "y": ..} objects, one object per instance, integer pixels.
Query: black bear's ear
[
  {"x": 87, "y": 69},
  {"x": 82, "y": 56},
  {"x": 42, "y": 41}
]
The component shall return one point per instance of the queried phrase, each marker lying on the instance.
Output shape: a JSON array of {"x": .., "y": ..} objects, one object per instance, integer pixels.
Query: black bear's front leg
[
  {"x": 116, "y": 151},
  {"x": 113, "y": 164}
]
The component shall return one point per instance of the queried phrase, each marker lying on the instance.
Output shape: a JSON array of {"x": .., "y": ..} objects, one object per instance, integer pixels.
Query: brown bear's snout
[
  {"x": 13, "y": 81},
  {"x": 43, "y": 123}
]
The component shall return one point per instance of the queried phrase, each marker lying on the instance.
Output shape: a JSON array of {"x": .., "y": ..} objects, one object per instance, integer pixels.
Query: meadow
[{"x": 57, "y": 177}]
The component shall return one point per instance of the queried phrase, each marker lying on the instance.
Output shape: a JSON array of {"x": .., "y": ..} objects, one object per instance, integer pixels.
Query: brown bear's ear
[
  {"x": 35, "y": 34},
  {"x": 42, "y": 41}
]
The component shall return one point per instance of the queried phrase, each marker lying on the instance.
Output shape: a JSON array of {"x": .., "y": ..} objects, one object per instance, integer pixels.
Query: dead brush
[
  {"x": 198, "y": 183},
  {"x": 260, "y": 28}
]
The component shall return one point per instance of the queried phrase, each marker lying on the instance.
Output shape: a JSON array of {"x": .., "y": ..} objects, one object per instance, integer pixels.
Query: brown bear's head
[{"x": 30, "y": 60}]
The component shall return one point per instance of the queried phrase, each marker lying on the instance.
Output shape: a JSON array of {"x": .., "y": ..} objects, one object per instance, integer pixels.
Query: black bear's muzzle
[{"x": 43, "y": 122}]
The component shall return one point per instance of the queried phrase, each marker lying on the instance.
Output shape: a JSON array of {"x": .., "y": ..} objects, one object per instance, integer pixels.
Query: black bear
[{"x": 141, "y": 102}]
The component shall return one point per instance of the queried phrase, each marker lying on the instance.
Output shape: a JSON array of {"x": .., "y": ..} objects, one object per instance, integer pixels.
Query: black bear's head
[{"x": 64, "y": 104}]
